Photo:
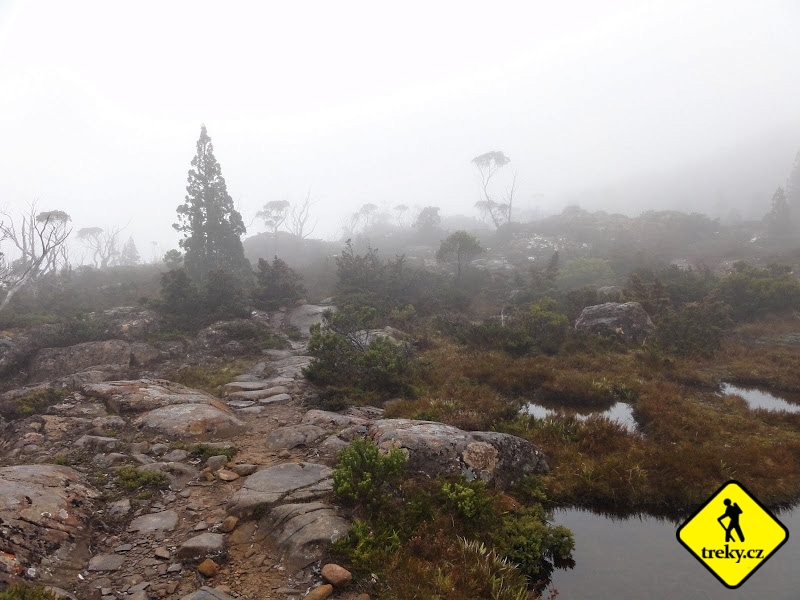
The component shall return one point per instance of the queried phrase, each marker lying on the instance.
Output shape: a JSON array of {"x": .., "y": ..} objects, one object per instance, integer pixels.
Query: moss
[{"x": 34, "y": 403}]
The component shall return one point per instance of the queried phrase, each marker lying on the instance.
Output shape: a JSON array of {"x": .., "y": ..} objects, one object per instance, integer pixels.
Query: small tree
[
  {"x": 459, "y": 249},
  {"x": 211, "y": 225},
  {"x": 277, "y": 285},
  {"x": 299, "y": 216},
  {"x": 428, "y": 220},
  {"x": 173, "y": 259},
  {"x": 130, "y": 255},
  {"x": 779, "y": 219},
  {"x": 274, "y": 214},
  {"x": 102, "y": 243},
  {"x": 488, "y": 165}
]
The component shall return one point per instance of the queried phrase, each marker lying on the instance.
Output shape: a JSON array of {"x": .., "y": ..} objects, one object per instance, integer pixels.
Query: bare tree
[
  {"x": 41, "y": 238},
  {"x": 102, "y": 243},
  {"x": 274, "y": 214},
  {"x": 299, "y": 215},
  {"x": 488, "y": 165}
]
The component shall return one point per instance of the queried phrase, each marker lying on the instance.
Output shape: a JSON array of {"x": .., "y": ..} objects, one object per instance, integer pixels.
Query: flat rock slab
[
  {"x": 51, "y": 363},
  {"x": 276, "y": 399},
  {"x": 303, "y": 317},
  {"x": 205, "y": 544},
  {"x": 166, "y": 520},
  {"x": 286, "y": 438},
  {"x": 303, "y": 531},
  {"x": 208, "y": 593},
  {"x": 244, "y": 386},
  {"x": 331, "y": 420},
  {"x": 106, "y": 562},
  {"x": 44, "y": 512},
  {"x": 192, "y": 420},
  {"x": 437, "y": 449},
  {"x": 288, "y": 482},
  {"x": 142, "y": 395},
  {"x": 258, "y": 394}
]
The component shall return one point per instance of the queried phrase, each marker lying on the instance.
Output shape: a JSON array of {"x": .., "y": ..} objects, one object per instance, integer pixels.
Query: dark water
[
  {"x": 620, "y": 412},
  {"x": 641, "y": 559},
  {"x": 760, "y": 399}
]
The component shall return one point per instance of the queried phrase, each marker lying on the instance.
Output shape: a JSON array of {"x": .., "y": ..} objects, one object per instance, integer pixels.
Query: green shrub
[
  {"x": 362, "y": 473},
  {"x": 546, "y": 325},
  {"x": 752, "y": 292},
  {"x": 469, "y": 500},
  {"x": 33, "y": 403},
  {"x": 204, "y": 452},
  {"x": 26, "y": 591},
  {"x": 277, "y": 285},
  {"x": 132, "y": 478},
  {"x": 365, "y": 549}
]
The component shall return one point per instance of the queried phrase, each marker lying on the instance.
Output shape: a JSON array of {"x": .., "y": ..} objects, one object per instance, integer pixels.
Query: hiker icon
[{"x": 732, "y": 512}]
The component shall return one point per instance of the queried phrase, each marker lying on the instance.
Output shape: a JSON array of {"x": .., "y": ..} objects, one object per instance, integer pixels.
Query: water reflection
[
  {"x": 621, "y": 412},
  {"x": 640, "y": 558},
  {"x": 760, "y": 399}
]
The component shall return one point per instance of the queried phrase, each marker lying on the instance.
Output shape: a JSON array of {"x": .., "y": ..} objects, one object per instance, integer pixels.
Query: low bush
[
  {"x": 26, "y": 591},
  {"x": 362, "y": 473},
  {"x": 132, "y": 478}
]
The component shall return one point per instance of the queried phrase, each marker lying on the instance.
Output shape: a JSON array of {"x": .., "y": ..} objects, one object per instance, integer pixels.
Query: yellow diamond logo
[{"x": 732, "y": 534}]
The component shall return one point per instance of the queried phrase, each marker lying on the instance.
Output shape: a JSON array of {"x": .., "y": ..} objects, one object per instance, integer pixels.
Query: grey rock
[
  {"x": 137, "y": 595},
  {"x": 175, "y": 456},
  {"x": 106, "y": 562},
  {"x": 244, "y": 470},
  {"x": 628, "y": 322},
  {"x": 208, "y": 593},
  {"x": 303, "y": 531},
  {"x": 198, "y": 421},
  {"x": 293, "y": 436},
  {"x": 52, "y": 363},
  {"x": 205, "y": 544},
  {"x": 141, "y": 395},
  {"x": 303, "y": 317},
  {"x": 216, "y": 462},
  {"x": 110, "y": 422},
  {"x": 120, "y": 508},
  {"x": 275, "y": 399},
  {"x": 159, "y": 449},
  {"x": 289, "y": 482},
  {"x": 165, "y": 520},
  {"x": 144, "y": 355},
  {"x": 331, "y": 420},
  {"x": 437, "y": 450},
  {"x": 259, "y": 394},
  {"x": 97, "y": 443}
]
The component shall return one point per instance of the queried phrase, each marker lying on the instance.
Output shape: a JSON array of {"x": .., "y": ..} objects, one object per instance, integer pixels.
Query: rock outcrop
[{"x": 628, "y": 322}]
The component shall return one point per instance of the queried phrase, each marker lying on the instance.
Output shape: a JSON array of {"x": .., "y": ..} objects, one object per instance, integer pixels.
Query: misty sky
[{"x": 101, "y": 102}]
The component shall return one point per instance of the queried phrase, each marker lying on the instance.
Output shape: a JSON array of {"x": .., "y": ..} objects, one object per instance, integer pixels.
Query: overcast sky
[{"x": 101, "y": 101}]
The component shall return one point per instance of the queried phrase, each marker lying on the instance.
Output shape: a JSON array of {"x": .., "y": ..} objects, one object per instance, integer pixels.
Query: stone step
[
  {"x": 244, "y": 386},
  {"x": 258, "y": 394}
]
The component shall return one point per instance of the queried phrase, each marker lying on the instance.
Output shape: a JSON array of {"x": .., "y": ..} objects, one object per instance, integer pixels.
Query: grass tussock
[{"x": 210, "y": 378}]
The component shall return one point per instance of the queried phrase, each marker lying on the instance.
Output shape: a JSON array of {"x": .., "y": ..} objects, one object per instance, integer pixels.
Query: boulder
[
  {"x": 16, "y": 347},
  {"x": 303, "y": 531},
  {"x": 208, "y": 593},
  {"x": 628, "y": 322},
  {"x": 198, "y": 421},
  {"x": 129, "y": 322},
  {"x": 288, "y": 482},
  {"x": 52, "y": 363},
  {"x": 303, "y": 317},
  {"x": 292, "y": 436},
  {"x": 44, "y": 515},
  {"x": 143, "y": 355},
  {"x": 437, "y": 449},
  {"x": 141, "y": 395}
]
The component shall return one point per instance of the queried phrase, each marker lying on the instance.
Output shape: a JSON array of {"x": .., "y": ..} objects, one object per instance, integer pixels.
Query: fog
[{"x": 619, "y": 105}]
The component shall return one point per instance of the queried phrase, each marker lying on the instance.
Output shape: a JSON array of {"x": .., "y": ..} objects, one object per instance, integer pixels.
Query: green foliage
[
  {"x": 753, "y": 292},
  {"x": 211, "y": 225},
  {"x": 179, "y": 296},
  {"x": 224, "y": 295},
  {"x": 362, "y": 473},
  {"x": 26, "y": 591},
  {"x": 583, "y": 271},
  {"x": 173, "y": 259},
  {"x": 132, "y": 478},
  {"x": 347, "y": 355},
  {"x": 695, "y": 329},
  {"x": 578, "y": 299},
  {"x": 277, "y": 285},
  {"x": 516, "y": 341},
  {"x": 366, "y": 550},
  {"x": 546, "y": 326},
  {"x": 529, "y": 541},
  {"x": 204, "y": 452},
  {"x": 30, "y": 404},
  {"x": 469, "y": 500},
  {"x": 210, "y": 378},
  {"x": 458, "y": 249}
]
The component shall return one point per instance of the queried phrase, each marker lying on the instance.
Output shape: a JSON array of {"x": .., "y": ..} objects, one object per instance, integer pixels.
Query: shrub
[
  {"x": 546, "y": 326},
  {"x": 753, "y": 292},
  {"x": 583, "y": 271},
  {"x": 26, "y": 591},
  {"x": 224, "y": 295},
  {"x": 33, "y": 403},
  {"x": 277, "y": 285},
  {"x": 362, "y": 473},
  {"x": 469, "y": 500},
  {"x": 132, "y": 478}
]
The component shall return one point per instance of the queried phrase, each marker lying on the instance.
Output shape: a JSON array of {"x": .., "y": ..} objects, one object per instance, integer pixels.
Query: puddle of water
[
  {"x": 621, "y": 412},
  {"x": 640, "y": 558},
  {"x": 760, "y": 399}
]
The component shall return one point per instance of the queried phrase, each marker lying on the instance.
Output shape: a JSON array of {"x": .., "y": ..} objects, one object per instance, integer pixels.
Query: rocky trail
[{"x": 245, "y": 510}]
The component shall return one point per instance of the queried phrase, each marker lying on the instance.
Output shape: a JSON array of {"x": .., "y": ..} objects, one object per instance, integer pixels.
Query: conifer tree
[
  {"x": 130, "y": 255},
  {"x": 211, "y": 225}
]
